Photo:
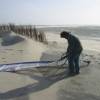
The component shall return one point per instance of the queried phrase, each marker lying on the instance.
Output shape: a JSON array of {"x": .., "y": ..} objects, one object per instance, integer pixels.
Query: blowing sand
[{"x": 51, "y": 84}]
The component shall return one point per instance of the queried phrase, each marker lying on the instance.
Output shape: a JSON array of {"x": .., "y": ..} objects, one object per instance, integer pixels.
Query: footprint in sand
[
  {"x": 4, "y": 61},
  {"x": 20, "y": 51},
  {"x": 3, "y": 58},
  {"x": 98, "y": 63},
  {"x": 91, "y": 56},
  {"x": 9, "y": 49},
  {"x": 87, "y": 61},
  {"x": 85, "y": 55}
]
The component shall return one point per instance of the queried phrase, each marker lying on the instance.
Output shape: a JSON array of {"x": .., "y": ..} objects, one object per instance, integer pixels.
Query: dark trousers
[{"x": 73, "y": 62}]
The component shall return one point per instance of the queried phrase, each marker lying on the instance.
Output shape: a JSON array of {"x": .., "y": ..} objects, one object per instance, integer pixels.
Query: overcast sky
[{"x": 50, "y": 12}]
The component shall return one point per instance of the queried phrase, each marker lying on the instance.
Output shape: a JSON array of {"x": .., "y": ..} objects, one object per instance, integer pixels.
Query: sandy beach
[{"x": 51, "y": 84}]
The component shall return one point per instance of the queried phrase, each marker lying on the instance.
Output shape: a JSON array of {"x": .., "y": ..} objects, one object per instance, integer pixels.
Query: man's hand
[{"x": 65, "y": 55}]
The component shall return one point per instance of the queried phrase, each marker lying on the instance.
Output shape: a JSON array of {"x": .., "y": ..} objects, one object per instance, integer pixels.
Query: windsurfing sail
[{"x": 24, "y": 65}]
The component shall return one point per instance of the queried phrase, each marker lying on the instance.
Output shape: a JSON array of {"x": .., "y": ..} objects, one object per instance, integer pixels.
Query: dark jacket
[{"x": 74, "y": 45}]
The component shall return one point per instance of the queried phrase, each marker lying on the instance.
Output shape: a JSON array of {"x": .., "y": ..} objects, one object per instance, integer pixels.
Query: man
[{"x": 73, "y": 52}]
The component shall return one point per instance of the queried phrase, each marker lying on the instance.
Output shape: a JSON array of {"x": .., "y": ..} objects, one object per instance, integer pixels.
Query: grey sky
[{"x": 50, "y": 12}]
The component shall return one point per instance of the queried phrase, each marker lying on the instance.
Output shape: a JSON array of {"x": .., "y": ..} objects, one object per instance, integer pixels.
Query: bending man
[{"x": 73, "y": 52}]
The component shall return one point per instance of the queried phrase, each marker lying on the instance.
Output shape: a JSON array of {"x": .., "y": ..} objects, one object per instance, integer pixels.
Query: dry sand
[
  {"x": 24, "y": 50},
  {"x": 51, "y": 84}
]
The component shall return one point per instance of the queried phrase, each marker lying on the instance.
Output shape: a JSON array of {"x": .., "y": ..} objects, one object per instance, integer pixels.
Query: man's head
[{"x": 64, "y": 34}]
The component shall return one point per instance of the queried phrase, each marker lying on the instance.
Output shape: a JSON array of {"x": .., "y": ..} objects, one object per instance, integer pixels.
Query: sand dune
[{"x": 22, "y": 49}]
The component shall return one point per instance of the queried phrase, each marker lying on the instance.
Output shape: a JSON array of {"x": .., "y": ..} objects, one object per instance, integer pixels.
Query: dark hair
[{"x": 64, "y": 34}]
